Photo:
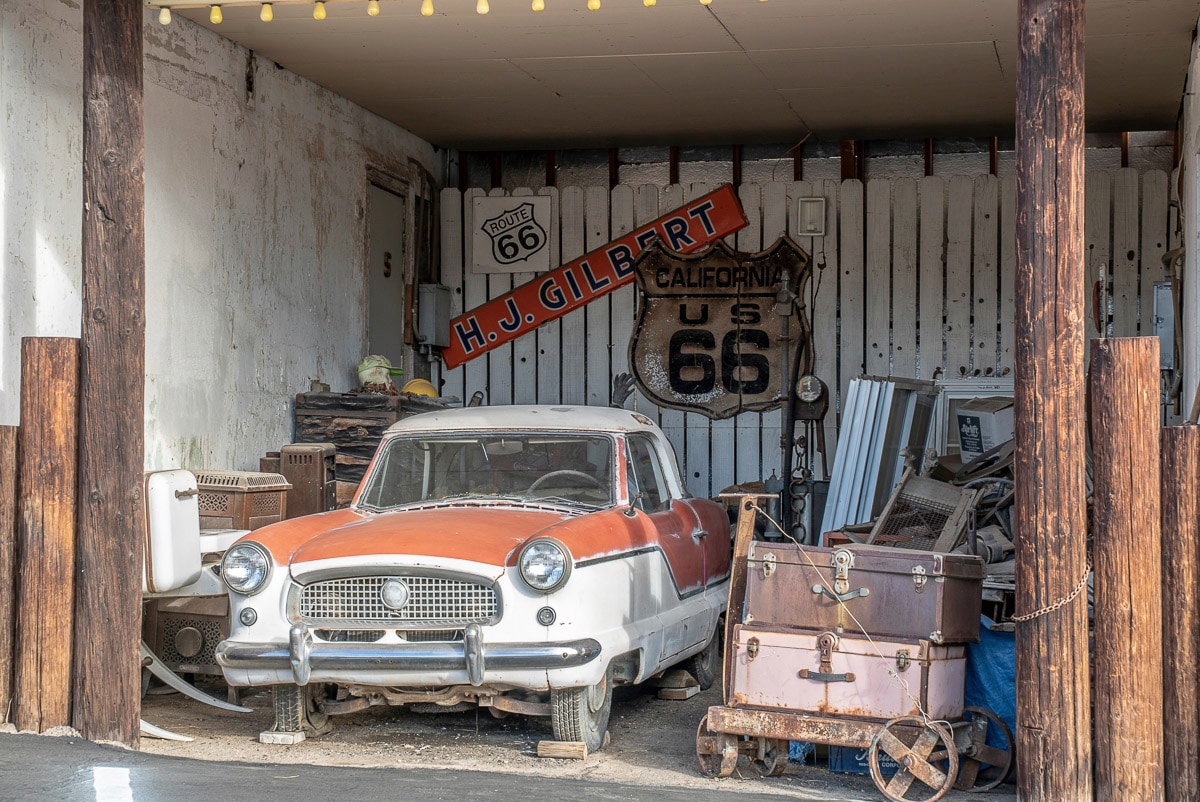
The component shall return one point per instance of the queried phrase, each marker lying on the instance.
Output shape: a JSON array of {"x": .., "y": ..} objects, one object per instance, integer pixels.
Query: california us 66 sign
[
  {"x": 511, "y": 234},
  {"x": 709, "y": 332}
]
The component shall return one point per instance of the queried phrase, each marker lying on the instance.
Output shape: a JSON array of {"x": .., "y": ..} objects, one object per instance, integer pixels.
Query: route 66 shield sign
[
  {"x": 510, "y": 235},
  {"x": 710, "y": 335}
]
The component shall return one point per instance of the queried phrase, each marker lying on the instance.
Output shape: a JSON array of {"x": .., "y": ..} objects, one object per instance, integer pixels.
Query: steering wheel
[{"x": 586, "y": 477}]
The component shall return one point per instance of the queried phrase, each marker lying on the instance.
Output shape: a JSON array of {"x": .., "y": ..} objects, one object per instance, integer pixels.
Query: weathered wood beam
[
  {"x": 1181, "y": 611},
  {"x": 46, "y": 535},
  {"x": 1128, "y": 560},
  {"x": 8, "y": 565},
  {"x": 1053, "y": 700},
  {"x": 107, "y": 665}
]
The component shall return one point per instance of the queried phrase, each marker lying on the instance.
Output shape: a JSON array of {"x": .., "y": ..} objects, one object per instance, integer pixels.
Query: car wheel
[
  {"x": 705, "y": 665},
  {"x": 297, "y": 710},
  {"x": 581, "y": 714}
]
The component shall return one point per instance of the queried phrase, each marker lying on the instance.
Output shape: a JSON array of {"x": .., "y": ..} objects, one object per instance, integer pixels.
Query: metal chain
[{"x": 1063, "y": 602}]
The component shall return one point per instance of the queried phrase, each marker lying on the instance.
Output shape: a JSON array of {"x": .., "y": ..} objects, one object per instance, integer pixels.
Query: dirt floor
[{"x": 652, "y": 743}]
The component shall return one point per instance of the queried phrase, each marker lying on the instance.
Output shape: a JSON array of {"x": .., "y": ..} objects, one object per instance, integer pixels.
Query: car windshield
[{"x": 574, "y": 469}]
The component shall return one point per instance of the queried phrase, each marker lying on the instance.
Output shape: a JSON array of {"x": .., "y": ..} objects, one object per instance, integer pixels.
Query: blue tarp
[{"x": 992, "y": 674}]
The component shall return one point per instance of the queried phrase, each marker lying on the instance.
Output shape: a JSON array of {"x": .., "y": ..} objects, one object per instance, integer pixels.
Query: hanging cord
[
  {"x": 887, "y": 664},
  {"x": 1063, "y": 602}
]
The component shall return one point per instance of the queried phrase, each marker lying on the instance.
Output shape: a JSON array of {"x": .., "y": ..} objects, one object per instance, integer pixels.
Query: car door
[{"x": 685, "y": 617}]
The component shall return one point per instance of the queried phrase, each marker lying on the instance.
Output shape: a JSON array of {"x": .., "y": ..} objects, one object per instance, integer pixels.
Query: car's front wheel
[
  {"x": 297, "y": 709},
  {"x": 581, "y": 714}
]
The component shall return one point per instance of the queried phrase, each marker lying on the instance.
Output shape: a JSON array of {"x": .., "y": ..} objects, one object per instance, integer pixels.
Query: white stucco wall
[
  {"x": 255, "y": 227},
  {"x": 1190, "y": 203}
]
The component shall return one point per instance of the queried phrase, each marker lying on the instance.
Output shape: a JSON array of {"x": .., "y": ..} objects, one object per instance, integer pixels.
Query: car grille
[{"x": 433, "y": 602}]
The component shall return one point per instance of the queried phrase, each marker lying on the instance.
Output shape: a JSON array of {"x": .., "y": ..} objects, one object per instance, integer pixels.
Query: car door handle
[{"x": 700, "y": 534}]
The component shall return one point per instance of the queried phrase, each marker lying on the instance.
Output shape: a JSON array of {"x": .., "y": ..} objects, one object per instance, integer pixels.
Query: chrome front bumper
[{"x": 302, "y": 654}]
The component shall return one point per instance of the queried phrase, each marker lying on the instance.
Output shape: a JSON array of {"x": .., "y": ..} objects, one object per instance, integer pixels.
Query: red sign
[{"x": 554, "y": 294}]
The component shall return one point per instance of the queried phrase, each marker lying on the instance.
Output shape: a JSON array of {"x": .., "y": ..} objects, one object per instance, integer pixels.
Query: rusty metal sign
[{"x": 710, "y": 335}]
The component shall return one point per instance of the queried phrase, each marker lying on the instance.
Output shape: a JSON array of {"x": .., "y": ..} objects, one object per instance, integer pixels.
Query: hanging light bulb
[
  {"x": 482, "y": 7},
  {"x": 538, "y": 5},
  {"x": 319, "y": 10},
  {"x": 426, "y": 8},
  {"x": 215, "y": 16},
  {"x": 649, "y": 3},
  {"x": 373, "y": 8},
  {"x": 164, "y": 16},
  {"x": 593, "y": 5},
  {"x": 706, "y": 2},
  {"x": 267, "y": 14}
]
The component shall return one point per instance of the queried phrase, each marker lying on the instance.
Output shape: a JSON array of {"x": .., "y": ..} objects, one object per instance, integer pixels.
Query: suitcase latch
[
  {"x": 843, "y": 561},
  {"x": 826, "y": 644},
  {"x": 752, "y": 648},
  {"x": 903, "y": 660},
  {"x": 919, "y": 578},
  {"x": 768, "y": 565}
]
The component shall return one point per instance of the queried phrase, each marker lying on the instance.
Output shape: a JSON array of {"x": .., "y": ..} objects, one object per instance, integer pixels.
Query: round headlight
[
  {"x": 245, "y": 568},
  {"x": 545, "y": 565}
]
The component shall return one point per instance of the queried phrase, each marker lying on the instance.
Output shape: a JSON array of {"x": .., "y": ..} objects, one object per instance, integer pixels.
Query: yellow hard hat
[{"x": 419, "y": 387}]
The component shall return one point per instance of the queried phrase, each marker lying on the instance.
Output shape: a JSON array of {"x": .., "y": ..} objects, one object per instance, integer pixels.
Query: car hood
[{"x": 486, "y": 534}]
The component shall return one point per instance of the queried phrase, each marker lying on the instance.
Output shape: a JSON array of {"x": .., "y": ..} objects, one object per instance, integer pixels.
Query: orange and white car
[{"x": 523, "y": 559}]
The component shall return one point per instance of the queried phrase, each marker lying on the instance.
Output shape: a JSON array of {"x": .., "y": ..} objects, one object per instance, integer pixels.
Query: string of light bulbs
[{"x": 267, "y": 13}]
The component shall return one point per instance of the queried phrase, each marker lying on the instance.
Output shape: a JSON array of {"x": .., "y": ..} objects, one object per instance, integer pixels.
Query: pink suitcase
[{"x": 826, "y": 673}]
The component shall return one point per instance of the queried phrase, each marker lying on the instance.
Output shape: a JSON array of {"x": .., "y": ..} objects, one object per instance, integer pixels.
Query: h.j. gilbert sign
[
  {"x": 709, "y": 332},
  {"x": 554, "y": 294}
]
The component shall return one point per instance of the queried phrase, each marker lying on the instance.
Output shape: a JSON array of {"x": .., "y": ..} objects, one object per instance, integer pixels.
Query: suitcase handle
[
  {"x": 821, "y": 590},
  {"x": 819, "y": 677}
]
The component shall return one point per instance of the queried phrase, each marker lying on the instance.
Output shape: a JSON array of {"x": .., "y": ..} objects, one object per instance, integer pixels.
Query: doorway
[{"x": 388, "y": 271}]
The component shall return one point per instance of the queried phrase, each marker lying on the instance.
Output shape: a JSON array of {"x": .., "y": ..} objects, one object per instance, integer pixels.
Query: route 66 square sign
[{"x": 511, "y": 234}]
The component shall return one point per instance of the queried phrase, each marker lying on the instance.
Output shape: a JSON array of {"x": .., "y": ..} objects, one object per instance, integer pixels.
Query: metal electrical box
[
  {"x": 1164, "y": 324},
  {"x": 433, "y": 315}
]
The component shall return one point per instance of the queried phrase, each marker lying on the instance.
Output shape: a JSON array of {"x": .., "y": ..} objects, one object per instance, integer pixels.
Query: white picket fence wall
[{"x": 913, "y": 278}]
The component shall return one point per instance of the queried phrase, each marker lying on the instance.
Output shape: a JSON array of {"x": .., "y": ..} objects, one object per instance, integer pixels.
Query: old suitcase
[
  {"x": 829, "y": 674},
  {"x": 884, "y": 592}
]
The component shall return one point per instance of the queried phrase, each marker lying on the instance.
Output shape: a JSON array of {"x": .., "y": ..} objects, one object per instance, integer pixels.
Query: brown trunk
[
  {"x": 1128, "y": 562},
  {"x": 46, "y": 533},
  {"x": 8, "y": 565},
  {"x": 1053, "y": 714},
  {"x": 1181, "y": 610},
  {"x": 107, "y": 666}
]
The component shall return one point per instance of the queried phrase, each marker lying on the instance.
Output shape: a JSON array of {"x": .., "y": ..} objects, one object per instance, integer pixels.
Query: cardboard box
[{"x": 983, "y": 424}]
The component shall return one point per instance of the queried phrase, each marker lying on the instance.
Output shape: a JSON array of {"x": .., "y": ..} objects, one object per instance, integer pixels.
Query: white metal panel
[
  {"x": 499, "y": 360},
  {"x": 1155, "y": 194},
  {"x": 1124, "y": 254},
  {"x": 599, "y": 322},
  {"x": 878, "y": 299},
  {"x": 932, "y": 254},
  {"x": 646, "y": 208},
  {"x": 775, "y": 215},
  {"x": 672, "y": 419},
  {"x": 172, "y": 554},
  {"x": 524, "y": 348},
  {"x": 751, "y": 449},
  {"x": 623, "y": 300},
  {"x": 823, "y": 312},
  {"x": 698, "y": 427},
  {"x": 475, "y": 292},
  {"x": 1097, "y": 243},
  {"x": 851, "y": 287},
  {"x": 573, "y": 358},
  {"x": 958, "y": 277},
  {"x": 985, "y": 283},
  {"x": 1008, "y": 273},
  {"x": 549, "y": 347},
  {"x": 904, "y": 278}
]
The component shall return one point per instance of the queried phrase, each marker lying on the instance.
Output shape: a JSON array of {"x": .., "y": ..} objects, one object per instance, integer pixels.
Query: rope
[{"x": 1063, "y": 602}]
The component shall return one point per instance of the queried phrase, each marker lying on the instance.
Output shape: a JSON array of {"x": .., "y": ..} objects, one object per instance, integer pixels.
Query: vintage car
[{"x": 523, "y": 559}]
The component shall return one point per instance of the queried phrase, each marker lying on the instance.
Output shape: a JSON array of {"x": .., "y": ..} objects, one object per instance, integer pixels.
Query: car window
[
  {"x": 648, "y": 487},
  {"x": 525, "y": 466}
]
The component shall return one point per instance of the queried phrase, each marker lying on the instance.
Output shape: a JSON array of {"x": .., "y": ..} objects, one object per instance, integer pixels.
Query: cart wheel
[
  {"x": 769, "y": 757},
  {"x": 914, "y": 744},
  {"x": 716, "y": 751},
  {"x": 983, "y": 767}
]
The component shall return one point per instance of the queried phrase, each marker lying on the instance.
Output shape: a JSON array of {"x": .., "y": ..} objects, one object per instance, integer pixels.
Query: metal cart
[{"x": 932, "y": 755}]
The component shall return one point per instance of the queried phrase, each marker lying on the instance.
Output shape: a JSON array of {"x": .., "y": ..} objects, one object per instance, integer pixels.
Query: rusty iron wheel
[
  {"x": 982, "y": 766},
  {"x": 926, "y": 754},
  {"x": 716, "y": 751},
  {"x": 769, "y": 757}
]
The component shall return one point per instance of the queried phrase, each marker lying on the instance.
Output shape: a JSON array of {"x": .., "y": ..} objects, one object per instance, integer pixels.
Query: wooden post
[
  {"x": 107, "y": 664},
  {"x": 8, "y": 565},
  {"x": 1181, "y": 611},
  {"x": 1053, "y": 712},
  {"x": 1128, "y": 562},
  {"x": 46, "y": 534}
]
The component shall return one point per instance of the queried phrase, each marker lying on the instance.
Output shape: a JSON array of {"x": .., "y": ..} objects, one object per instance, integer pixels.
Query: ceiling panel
[{"x": 735, "y": 71}]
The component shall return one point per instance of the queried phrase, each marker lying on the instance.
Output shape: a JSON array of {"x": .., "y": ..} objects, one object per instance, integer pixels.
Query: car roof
[{"x": 540, "y": 417}]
